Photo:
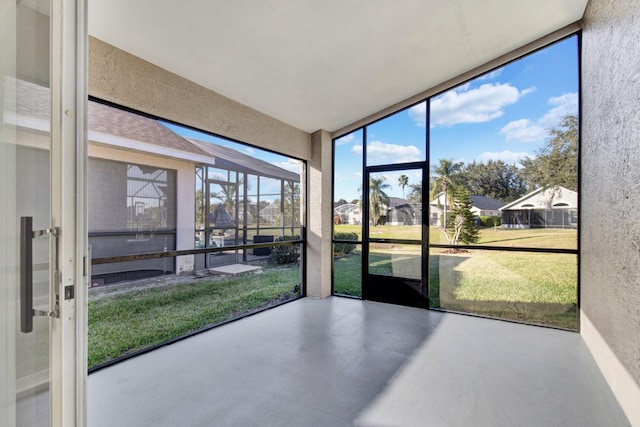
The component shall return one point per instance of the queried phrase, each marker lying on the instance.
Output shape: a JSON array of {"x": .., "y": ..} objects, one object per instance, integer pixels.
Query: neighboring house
[
  {"x": 543, "y": 208},
  {"x": 485, "y": 206},
  {"x": 347, "y": 213},
  {"x": 480, "y": 206},
  {"x": 403, "y": 212}
]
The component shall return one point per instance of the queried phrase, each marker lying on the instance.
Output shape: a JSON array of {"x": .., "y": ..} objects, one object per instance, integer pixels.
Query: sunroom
[{"x": 381, "y": 105}]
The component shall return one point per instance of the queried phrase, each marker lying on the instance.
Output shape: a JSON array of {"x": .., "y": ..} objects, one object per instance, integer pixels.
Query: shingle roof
[
  {"x": 486, "y": 203},
  {"x": 114, "y": 121},
  {"x": 395, "y": 202}
]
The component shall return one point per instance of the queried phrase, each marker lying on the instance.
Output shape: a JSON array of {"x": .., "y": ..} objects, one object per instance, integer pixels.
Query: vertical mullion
[
  {"x": 365, "y": 217},
  {"x": 426, "y": 217}
]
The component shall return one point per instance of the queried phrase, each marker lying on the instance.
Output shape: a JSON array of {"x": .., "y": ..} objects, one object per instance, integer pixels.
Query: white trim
[{"x": 623, "y": 385}]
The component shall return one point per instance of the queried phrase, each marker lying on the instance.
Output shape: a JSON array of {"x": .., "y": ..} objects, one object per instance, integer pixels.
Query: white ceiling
[{"x": 323, "y": 64}]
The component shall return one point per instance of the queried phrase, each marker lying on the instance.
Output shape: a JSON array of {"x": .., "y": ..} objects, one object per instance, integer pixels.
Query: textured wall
[
  {"x": 320, "y": 214},
  {"x": 124, "y": 79},
  {"x": 610, "y": 197}
]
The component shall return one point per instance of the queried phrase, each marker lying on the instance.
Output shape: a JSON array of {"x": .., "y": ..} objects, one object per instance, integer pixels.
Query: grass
[
  {"x": 530, "y": 287},
  {"x": 524, "y": 286},
  {"x": 128, "y": 322},
  {"x": 347, "y": 278},
  {"x": 535, "y": 237}
]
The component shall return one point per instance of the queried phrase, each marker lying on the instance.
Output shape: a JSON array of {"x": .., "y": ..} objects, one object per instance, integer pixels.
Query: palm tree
[
  {"x": 403, "y": 181},
  {"x": 377, "y": 197},
  {"x": 446, "y": 180},
  {"x": 415, "y": 195}
]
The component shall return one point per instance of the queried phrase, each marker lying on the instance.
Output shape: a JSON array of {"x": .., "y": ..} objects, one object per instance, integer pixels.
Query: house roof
[
  {"x": 229, "y": 158},
  {"x": 117, "y": 122},
  {"x": 486, "y": 203},
  {"x": 543, "y": 197},
  {"x": 479, "y": 202},
  {"x": 396, "y": 202}
]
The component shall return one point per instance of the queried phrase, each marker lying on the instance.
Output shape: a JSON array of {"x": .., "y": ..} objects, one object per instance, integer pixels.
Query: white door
[{"x": 42, "y": 233}]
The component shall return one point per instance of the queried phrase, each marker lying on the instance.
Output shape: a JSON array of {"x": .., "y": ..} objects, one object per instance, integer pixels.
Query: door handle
[
  {"x": 26, "y": 274},
  {"x": 27, "y": 235}
]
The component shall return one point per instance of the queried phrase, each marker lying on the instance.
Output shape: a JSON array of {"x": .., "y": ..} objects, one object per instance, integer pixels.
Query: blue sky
[{"x": 502, "y": 115}]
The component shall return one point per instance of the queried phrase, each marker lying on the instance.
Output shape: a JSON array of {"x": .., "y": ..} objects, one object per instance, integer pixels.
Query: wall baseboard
[{"x": 623, "y": 385}]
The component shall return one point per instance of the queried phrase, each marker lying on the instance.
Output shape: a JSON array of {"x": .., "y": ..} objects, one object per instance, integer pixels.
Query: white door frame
[{"x": 68, "y": 210}]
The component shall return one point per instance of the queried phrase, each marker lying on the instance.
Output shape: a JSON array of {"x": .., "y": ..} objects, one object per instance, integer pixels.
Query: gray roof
[
  {"x": 396, "y": 202},
  {"x": 229, "y": 158},
  {"x": 115, "y": 121},
  {"x": 486, "y": 203}
]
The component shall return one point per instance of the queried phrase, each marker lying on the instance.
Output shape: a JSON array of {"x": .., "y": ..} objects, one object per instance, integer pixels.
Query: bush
[
  {"x": 344, "y": 248},
  {"x": 285, "y": 254},
  {"x": 490, "y": 221}
]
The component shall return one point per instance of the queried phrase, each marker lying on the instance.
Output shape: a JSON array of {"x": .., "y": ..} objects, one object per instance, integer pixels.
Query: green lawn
[
  {"x": 531, "y": 287},
  {"x": 132, "y": 321},
  {"x": 536, "y": 237}
]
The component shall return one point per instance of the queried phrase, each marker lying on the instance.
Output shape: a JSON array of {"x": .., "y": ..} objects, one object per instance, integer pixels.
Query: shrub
[
  {"x": 344, "y": 248},
  {"x": 490, "y": 221},
  {"x": 285, "y": 254}
]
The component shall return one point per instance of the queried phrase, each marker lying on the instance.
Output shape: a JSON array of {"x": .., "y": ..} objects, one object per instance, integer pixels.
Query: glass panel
[
  {"x": 201, "y": 206},
  {"x": 291, "y": 205},
  {"x": 509, "y": 139},
  {"x": 393, "y": 216},
  {"x": 270, "y": 206},
  {"x": 25, "y": 146},
  {"x": 245, "y": 195},
  {"x": 132, "y": 210},
  {"x": 504, "y": 156},
  {"x": 222, "y": 175},
  {"x": 529, "y": 287},
  {"x": 399, "y": 138},
  {"x": 146, "y": 313},
  {"x": 347, "y": 269},
  {"x": 399, "y": 260},
  {"x": 347, "y": 186}
]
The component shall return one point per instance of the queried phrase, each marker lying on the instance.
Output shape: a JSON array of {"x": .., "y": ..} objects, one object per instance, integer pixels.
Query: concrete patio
[{"x": 340, "y": 362}]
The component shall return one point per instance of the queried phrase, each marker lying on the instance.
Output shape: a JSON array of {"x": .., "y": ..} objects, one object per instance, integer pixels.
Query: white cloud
[
  {"x": 380, "y": 152},
  {"x": 418, "y": 113},
  {"x": 250, "y": 151},
  {"x": 523, "y": 130},
  {"x": 345, "y": 139},
  {"x": 562, "y": 105},
  {"x": 526, "y": 131},
  {"x": 464, "y": 105},
  {"x": 506, "y": 156}
]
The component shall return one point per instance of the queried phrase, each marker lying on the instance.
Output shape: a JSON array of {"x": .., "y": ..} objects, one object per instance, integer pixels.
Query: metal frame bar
[{"x": 175, "y": 253}]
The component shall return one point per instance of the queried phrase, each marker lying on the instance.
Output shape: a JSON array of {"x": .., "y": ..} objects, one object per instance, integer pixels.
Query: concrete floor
[{"x": 336, "y": 362}]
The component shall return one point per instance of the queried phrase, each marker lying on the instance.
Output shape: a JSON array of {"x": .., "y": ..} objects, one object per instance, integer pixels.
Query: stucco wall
[
  {"x": 119, "y": 77},
  {"x": 320, "y": 214},
  {"x": 610, "y": 197}
]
